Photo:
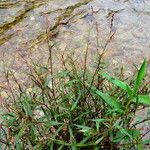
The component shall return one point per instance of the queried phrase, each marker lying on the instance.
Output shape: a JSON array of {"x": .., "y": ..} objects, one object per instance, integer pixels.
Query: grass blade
[
  {"x": 143, "y": 99},
  {"x": 118, "y": 83},
  {"x": 111, "y": 101},
  {"x": 140, "y": 77}
]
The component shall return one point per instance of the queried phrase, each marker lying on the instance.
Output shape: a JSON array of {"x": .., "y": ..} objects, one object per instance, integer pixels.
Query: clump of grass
[{"x": 76, "y": 109}]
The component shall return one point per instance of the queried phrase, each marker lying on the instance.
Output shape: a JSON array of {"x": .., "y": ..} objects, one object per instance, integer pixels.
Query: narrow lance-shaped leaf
[
  {"x": 143, "y": 99},
  {"x": 27, "y": 107},
  {"x": 99, "y": 140},
  {"x": 98, "y": 121},
  {"x": 57, "y": 131},
  {"x": 83, "y": 128},
  {"x": 61, "y": 147},
  {"x": 52, "y": 123},
  {"x": 75, "y": 104},
  {"x": 140, "y": 77},
  {"x": 20, "y": 133},
  {"x": 111, "y": 101},
  {"x": 71, "y": 135},
  {"x": 118, "y": 83}
]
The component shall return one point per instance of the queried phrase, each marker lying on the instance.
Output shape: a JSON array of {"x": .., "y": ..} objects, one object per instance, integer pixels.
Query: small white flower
[{"x": 32, "y": 18}]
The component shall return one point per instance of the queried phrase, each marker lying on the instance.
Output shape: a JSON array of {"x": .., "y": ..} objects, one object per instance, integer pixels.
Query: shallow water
[{"x": 23, "y": 24}]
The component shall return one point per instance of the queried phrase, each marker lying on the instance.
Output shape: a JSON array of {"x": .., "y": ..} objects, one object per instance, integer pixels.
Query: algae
[
  {"x": 64, "y": 18},
  {"x": 22, "y": 14}
]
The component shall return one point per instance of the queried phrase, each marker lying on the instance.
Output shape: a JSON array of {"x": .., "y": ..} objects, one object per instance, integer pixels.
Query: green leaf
[
  {"x": 96, "y": 148},
  {"x": 57, "y": 131},
  {"x": 98, "y": 121},
  {"x": 84, "y": 128},
  {"x": 72, "y": 139},
  {"x": 27, "y": 107},
  {"x": 140, "y": 77},
  {"x": 84, "y": 140},
  {"x": 20, "y": 133},
  {"x": 18, "y": 144},
  {"x": 52, "y": 123},
  {"x": 143, "y": 99},
  {"x": 11, "y": 114},
  {"x": 146, "y": 141},
  {"x": 140, "y": 146},
  {"x": 63, "y": 73},
  {"x": 111, "y": 101},
  {"x": 81, "y": 145},
  {"x": 48, "y": 82},
  {"x": 32, "y": 130},
  {"x": 99, "y": 140},
  {"x": 71, "y": 82},
  {"x": 59, "y": 142},
  {"x": 125, "y": 132},
  {"x": 118, "y": 83},
  {"x": 74, "y": 105},
  {"x": 74, "y": 148},
  {"x": 61, "y": 147},
  {"x": 81, "y": 115}
]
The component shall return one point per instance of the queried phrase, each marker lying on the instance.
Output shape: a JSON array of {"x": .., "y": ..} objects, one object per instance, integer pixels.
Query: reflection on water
[{"x": 23, "y": 25}]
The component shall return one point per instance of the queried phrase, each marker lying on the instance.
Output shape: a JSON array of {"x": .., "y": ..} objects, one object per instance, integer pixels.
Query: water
[{"x": 23, "y": 24}]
